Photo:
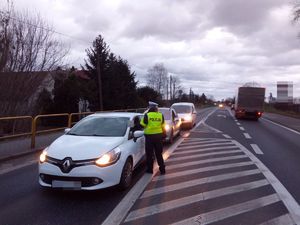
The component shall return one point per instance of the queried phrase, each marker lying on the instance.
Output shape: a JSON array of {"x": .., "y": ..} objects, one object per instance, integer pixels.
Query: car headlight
[
  {"x": 188, "y": 118},
  {"x": 43, "y": 156},
  {"x": 109, "y": 158},
  {"x": 167, "y": 127}
]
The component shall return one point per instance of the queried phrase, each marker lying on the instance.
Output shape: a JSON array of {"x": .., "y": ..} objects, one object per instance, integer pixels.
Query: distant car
[
  {"x": 172, "y": 123},
  {"x": 221, "y": 105},
  {"x": 186, "y": 112},
  {"x": 100, "y": 151}
]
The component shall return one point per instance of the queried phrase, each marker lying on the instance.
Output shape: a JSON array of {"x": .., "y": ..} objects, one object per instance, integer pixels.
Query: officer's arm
[{"x": 144, "y": 120}]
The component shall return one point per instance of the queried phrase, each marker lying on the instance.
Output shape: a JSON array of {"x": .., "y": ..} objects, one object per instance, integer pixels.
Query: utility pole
[{"x": 99, "y": 82}]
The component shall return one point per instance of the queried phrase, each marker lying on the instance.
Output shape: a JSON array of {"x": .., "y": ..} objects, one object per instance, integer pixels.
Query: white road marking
[
  {"x": 212, "y": 128},
  {"x": 256, "y": 149},
  {"x": 291, "y": 204},
  {"x": 168, "y": 205},
  {"x": 226, "y": 136},
  {"x": 12, "y": 168},
  {"x": 242, "y": 128},
  {"x": 284, "y": 219},
  {"x": 219, "y": 115},
  {"x": 203, "y": 142},
  {"x": 195, "y": 182},
  {"x": 200, "y": 170},
  {"x": 203, "y": 155},
  {"x": 247, "y": 136},
  {"x": 122, "y": 209},
  {"x": 238, "y": 124},
  {"x": 225, "y": 148},
  {"x": 220, "y": 214},
  {"x": 206, "y": 145},
  {"x": 289, "y": 129},
  {"x": 197, "y": 162}
]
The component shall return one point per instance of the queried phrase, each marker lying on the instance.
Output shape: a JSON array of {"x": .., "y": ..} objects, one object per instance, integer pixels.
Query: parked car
[
  {"x": 186, "y": 112},
  {"x": 100, "y": 151},
  {"x": 172, "y": 123}
]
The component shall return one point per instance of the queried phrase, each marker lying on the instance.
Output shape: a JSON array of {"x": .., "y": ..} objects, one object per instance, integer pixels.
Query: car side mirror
[
  {"x": 67, "y": 130},
  {"x": 137, "y": 134}
]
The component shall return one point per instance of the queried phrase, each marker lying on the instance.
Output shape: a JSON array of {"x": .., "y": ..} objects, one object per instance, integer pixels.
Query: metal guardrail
[
  {"x": 16, "y": 118},
  {"x": 70, "y": 122}
]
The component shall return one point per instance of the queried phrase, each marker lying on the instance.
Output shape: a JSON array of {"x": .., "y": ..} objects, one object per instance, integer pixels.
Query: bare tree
[
  {"x": 157, "y": 78},
  {"x": 28, "y": 43},
  {"x": 174, "y": 85}
]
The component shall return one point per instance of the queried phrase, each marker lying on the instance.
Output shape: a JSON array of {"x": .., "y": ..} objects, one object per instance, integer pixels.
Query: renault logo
[{"x": 67, "y": 165}]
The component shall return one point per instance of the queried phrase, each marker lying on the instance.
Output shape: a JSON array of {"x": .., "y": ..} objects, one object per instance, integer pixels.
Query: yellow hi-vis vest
[{"x": 154, "y": 123}]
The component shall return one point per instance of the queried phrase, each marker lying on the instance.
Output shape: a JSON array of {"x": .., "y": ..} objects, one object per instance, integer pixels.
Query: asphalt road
[
  {"x": 280, "y": 147},
  {"x": 22, "y": 201}
]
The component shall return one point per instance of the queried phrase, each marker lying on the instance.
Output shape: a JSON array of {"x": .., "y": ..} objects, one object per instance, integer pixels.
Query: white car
[
  {"x": 172, "y": 123},
  {"x": 186, "y": 112},
  {"x": 100, "y": 151}
]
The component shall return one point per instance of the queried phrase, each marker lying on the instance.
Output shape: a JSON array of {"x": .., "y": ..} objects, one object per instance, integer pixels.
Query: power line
[{"x": 43, "y": 28}]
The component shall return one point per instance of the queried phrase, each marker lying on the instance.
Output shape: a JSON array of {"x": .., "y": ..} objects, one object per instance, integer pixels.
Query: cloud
[{"x": 213, "y": 46}]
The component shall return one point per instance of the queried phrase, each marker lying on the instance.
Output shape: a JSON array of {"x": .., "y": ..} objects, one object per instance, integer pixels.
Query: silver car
[{"x": 172, "y": 123}]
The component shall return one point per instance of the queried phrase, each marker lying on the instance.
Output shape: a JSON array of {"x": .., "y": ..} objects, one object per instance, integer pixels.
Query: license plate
[{"x": 66, "y": 184}]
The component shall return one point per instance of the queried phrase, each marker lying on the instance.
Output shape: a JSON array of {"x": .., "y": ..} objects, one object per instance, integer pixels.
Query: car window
[
  {"x": 182, "y": 108},
  {"x": 101, "y": 126},
  {"x": 166, "y": 113}
]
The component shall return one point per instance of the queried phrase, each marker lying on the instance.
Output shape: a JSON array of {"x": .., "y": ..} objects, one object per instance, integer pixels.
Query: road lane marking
[
  {"x": 200, "y": 170},
  {"x": 205, "y": 149},
  {"x": 195, "y": 182},
  {"x": 197, "y": 162},
  {"x": 122, "y": 209},
  {"x": 203, "y": 155},
  {"x": 256, "y": 149},
  {"x": 238, "y": 124},
  {"x": 247, "y": 136},
  {"x": 221, "y": 214},
  {"x": 242, "y": 128},
  {"x": 226, "y": 136},
  {"x": 288, "y": 200},
  {"x": 12, "y": 168},
  {"x": 210, "y": 127},
  {"x": 284, "y": 219},
  {"x": 168, "y": 205},
  {"x": 205, "y": 145},
  {"x": 287, "y": 128},
  {"x": 188, "y": 143}
]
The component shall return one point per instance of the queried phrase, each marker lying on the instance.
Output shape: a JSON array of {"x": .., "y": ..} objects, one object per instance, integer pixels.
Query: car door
[
  {"x": 176, "y": 122},
  {"x": 138, "y": 144}
]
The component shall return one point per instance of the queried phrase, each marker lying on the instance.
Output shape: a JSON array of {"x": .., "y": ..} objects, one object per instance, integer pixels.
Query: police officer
[{"x": 153, "y": 122}]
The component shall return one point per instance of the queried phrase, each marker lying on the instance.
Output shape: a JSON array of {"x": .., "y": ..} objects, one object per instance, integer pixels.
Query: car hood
[
  {"x": 82, "y": 147},
  {"x": 182, "y": 115}
]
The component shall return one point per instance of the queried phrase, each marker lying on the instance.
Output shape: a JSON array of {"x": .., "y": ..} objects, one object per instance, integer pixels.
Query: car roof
[
  {"x": 183, "y": 103},
  {"x": 115, "y": 114}
]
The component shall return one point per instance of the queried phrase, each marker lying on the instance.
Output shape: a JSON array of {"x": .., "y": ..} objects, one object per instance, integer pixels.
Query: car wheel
[{"x": 126, "y": 176}]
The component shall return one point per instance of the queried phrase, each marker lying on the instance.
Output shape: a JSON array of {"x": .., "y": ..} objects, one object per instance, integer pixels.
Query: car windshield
[
  {"x": 101, "y": 126},
  {"x": 182, "y": 108},
  {"x": 166, "y": 113}
]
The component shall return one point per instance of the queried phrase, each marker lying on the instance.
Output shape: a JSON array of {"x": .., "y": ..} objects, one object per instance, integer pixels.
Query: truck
[{"x": 249, "y": 102}]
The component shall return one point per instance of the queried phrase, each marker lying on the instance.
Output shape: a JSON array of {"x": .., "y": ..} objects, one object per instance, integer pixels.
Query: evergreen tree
[{"x": 118, "y": 84}]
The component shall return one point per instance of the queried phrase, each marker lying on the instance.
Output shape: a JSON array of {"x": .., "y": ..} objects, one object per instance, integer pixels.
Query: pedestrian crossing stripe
[{"x": 196, "y": 156}]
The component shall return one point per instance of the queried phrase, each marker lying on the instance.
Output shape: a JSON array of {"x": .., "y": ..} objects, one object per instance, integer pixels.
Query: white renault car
[
  {"x": 100, "y": 151},
  {"x": 186, "y": 112}
]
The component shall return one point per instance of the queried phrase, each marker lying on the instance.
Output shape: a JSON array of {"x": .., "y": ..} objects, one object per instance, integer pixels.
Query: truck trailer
[{"x": 249, "y": 102}]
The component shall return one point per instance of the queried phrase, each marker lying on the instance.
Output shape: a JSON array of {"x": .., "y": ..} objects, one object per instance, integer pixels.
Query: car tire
[{"x": 126, "y": 176}]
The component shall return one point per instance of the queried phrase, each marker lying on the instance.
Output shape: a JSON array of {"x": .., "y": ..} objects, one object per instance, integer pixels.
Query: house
[{"x": 19, "y": 91}]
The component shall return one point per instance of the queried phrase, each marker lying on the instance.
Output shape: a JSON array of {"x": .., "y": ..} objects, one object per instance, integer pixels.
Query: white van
[{"x": 186, "y": 112}]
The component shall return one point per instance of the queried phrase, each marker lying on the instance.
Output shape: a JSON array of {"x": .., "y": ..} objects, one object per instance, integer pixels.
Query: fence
[{"x": 69, "y": 119}]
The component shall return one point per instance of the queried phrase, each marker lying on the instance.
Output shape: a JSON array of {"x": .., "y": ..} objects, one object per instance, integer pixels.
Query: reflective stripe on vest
[{"x": 155, "y": 122}]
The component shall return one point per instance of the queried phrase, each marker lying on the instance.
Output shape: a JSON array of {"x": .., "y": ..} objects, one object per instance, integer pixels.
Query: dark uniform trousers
[{"x": 154, "y": 145}]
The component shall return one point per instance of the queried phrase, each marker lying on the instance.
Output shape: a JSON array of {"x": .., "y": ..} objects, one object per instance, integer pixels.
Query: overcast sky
[{"x": 213, "y": 46}]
